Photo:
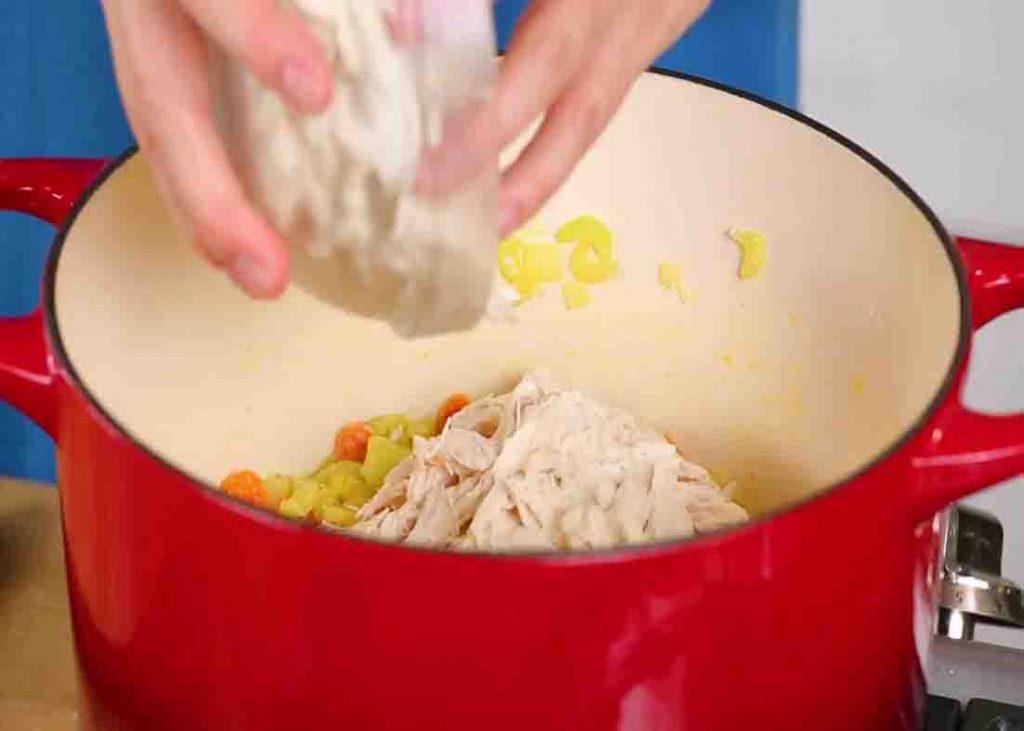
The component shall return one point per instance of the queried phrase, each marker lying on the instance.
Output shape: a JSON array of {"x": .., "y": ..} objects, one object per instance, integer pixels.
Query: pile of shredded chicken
[{"x": 545, "y": 468}]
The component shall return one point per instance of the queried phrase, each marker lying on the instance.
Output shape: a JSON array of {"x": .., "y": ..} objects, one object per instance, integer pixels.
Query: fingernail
[
  {"x": 304, "y": 85},
  {"x": 508, "y": 217},
  {"x": 252, "y": 276}
]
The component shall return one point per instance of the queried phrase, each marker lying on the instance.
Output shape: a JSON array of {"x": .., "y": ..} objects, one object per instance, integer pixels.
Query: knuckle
[
  {"x": 588, "y": 113},
  {"x": 557, "y": 49}
]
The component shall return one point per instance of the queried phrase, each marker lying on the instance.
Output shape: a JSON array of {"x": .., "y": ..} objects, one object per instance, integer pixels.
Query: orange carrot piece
[
  {"x": 246, "y": 485},
  {"x": 455, "y": 403},
  {"x": 350, "y": 443}
]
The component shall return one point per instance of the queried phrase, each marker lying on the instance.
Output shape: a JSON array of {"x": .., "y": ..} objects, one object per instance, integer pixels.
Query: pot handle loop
[
  {"x": 967, "y": 450},
  {"x": 46, "y": 189}
]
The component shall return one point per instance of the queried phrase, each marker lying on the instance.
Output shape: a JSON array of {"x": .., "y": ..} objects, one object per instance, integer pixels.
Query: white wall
[{"x": 936, "y": 89}]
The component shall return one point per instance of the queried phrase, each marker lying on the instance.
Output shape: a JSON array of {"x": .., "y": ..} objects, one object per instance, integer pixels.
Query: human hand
[
  {"x": 573, "y": 60},
  {"x": 160, "y": 55},
  {"x": 572, "y": 63}
]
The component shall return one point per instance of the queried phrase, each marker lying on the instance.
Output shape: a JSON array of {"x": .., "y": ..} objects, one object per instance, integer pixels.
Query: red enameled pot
[{"x": 828, "y": 388}]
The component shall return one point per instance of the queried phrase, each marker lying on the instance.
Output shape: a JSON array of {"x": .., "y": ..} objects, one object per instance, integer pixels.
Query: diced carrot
[
  {"x": 245, "y": 485},
  {"x": 350, "y": 443},
  {"x": 455, "y": 403}
]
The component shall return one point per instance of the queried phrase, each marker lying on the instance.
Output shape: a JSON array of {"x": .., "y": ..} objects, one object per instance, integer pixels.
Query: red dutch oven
[{"x": 828, "y": 388}]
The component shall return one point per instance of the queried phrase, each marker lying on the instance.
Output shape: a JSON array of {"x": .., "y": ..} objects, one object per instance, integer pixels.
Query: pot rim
[{"x": 63, "y": 363}]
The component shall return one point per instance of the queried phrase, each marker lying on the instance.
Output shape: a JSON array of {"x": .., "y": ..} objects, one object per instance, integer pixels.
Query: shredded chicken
[
  {"x": 339, "y": 185},
  {"x": 545, "y": 468}
]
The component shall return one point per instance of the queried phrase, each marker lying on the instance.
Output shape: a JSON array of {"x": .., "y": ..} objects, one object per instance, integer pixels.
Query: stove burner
[{"x": 944, "y": 714}]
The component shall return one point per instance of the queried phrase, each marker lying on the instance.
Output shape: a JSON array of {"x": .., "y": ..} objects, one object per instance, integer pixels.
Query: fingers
[
  {"x": 405, "y": 22},
  {"x": 161, "y": 63},
  {"x": 276, "y": 44},
  {"x": 572, "y": 125},
  {"x": 547, "y": 50},
  {"x": 633, "y": 36}
]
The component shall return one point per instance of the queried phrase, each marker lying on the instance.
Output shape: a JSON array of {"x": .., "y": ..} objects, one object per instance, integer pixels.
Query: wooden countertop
[{"x": 38, "y": 687}]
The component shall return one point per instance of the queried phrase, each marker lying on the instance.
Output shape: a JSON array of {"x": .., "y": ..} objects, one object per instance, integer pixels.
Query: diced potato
[
  {"x": 382, "y": 455},
  {"x": 575, "y": 295}
]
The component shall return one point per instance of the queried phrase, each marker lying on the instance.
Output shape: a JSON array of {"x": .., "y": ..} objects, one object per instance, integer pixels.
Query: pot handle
[
  {"x": 46, "y": 189},
  {"x": 966, "y": 450}
]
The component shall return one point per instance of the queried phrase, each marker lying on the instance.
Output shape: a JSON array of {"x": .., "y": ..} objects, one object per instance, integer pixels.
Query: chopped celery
[
  {"x": 592, "y": 266},
  {"x": 349, "y": 490},
  {"x": 543, "y": 262},
  {"x": 391, "y": 426},
  {"x": 587, "y": 230},
  {"x": 339, "y": 515},
  {"x": 511, "y": 253},
  {"x": 359, "y": 494},
  {"x": 338, "y": 467},
  {"x": 422, "y": 427},
  {"x": 279, "y": 487},
  {"x": 302, "y": 501},
  {"x": 753, "y": 251},
  {"x": 382, "y": 455},
  {"x": 575, "y": 295}
]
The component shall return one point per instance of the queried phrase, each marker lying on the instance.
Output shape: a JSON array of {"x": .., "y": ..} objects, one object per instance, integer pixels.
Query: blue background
[{"x": 58, "y": 98}]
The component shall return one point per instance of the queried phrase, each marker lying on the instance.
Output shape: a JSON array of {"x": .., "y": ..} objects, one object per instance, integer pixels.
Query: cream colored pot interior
[{"x": 786, "y": 383}]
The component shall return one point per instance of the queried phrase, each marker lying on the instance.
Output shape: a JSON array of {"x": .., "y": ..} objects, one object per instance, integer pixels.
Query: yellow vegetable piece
[
  {"x": 753, "y": 251},
  {"x": 391, "y": 426},
  {"x": 591, "y": 266},
  {"x": 543, "y": 262},
  {"x": 527, "y": 266},
  {"x": 511, "y": 259},
  {"x": 360, "y": 494},
  {"x": 343, "y": 486},
  {"x": 670, "y": 276},
  {"x": 587, "y": 230},
  {"x": 422, "y": 427},
  {"x": 339, "y": 515},
  {"x": 336, "y": 467},
  {"x": 279, "y": 488},
  {"x": 343, "y": 489},
  {"x": 575, "y": 295},
  {"x": 382, "y": 455},
  {"x": 302, "y": 501},
  {"x": 526, "y": 287}
]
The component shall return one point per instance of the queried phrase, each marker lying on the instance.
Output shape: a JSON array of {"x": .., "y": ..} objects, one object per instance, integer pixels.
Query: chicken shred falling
[{"x": 544, "y": 468}]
